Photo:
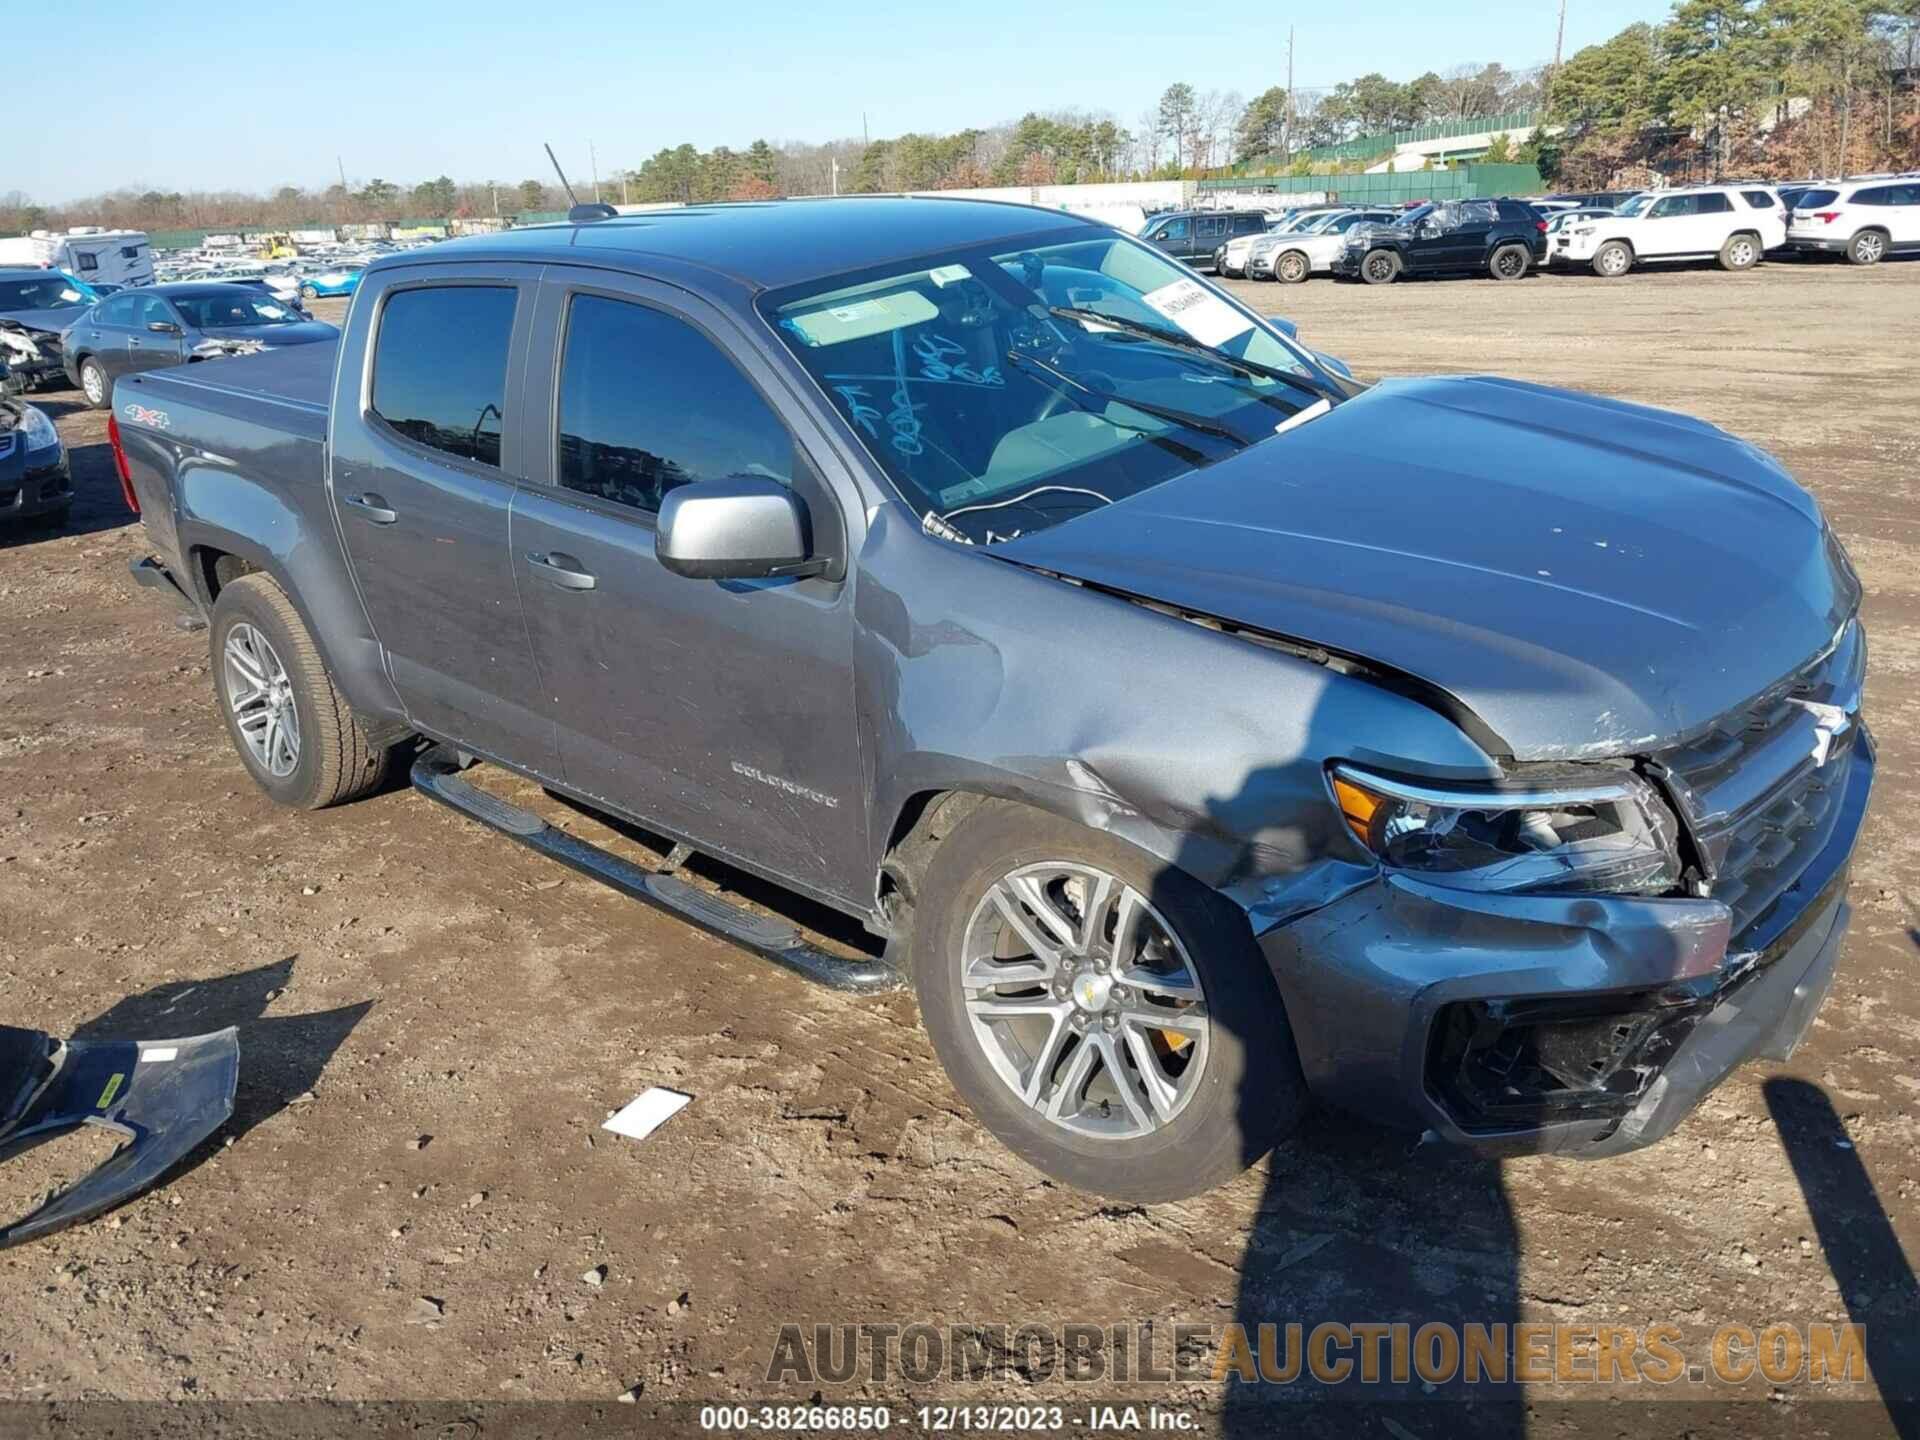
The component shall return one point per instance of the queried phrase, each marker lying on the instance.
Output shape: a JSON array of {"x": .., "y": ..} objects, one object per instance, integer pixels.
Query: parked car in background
[
  {"x": 1195, "y": 235},
  {"x": 35, "y": 480},
  {"x": 162, "y": 325},
  {"x": 1293, "y": 255},
  {"x": 35, "y": 306},
  {"x": 330, "y": 284},
  {"x": 1196, "y": 748},
  {"x": 1559, "y": 220},
  {"x": 1734, "y": 224},
  {"x": 1864, "y": 221},
  {"x": 1503, "y": 238}
]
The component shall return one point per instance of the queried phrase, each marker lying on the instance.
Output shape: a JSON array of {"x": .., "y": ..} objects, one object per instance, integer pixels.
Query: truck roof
[{"x": 767, "y": 244}]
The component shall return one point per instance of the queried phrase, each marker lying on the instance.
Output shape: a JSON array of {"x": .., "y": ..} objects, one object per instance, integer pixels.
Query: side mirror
[
  {"x": 741, "y": 528},
  {"x": 163, "y": 327}
]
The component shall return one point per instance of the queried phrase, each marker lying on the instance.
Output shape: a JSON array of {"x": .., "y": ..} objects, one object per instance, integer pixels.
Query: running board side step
[{"x": 437, "y": 774}]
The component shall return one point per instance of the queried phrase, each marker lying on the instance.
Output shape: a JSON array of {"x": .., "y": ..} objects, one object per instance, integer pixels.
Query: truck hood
[
  {"x": 52, "y": 321},
  {"x": 1587, "y": 577}
]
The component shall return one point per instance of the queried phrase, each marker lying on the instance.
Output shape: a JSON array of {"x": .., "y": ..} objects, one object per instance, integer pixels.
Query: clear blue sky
[{"x": 211, "y": 94}]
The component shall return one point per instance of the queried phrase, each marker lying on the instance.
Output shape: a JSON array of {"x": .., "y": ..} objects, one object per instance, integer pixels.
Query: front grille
[{"x": 1759, "y": 803}]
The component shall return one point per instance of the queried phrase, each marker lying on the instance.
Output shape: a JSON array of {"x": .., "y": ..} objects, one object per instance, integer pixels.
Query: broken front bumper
[
  {"x": 1584, "y": 1025},
  {"x": 162, "y": 1097}
]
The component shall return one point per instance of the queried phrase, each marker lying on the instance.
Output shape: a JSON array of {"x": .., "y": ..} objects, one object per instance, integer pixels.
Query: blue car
[{"x": 330, "y": 284}]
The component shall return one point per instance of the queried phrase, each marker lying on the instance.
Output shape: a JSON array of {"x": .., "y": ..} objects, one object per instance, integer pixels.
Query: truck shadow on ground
[
  {"x": 1869, "y": 1264},
  {"x": 281, "y": 1057}
]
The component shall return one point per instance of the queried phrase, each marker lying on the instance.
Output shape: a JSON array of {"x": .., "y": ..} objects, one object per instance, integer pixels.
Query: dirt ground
[{"x": 435, "y": 1022}]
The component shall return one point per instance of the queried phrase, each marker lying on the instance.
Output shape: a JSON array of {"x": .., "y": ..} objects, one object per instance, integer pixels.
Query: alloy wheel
[
  {"x": 1869, "y": 248},
  {"x": 1741, "y": 254},
  {"x": 1084, "y": 1001},
  {"x": 260, "y": 697},
  {"x": 1293, "y": 269},
  {"x": 93, "y": 383},
  {"x": 1509, "y": 264}
]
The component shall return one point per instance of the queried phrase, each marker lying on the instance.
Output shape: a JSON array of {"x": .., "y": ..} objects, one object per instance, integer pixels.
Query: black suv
[
  {"x": 1501, "y": 238},
  {"x": 1193, "y": 235}
]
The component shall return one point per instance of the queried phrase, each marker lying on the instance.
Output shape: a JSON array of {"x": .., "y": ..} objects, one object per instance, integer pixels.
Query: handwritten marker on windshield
[{"x": 647, "y": 1113}]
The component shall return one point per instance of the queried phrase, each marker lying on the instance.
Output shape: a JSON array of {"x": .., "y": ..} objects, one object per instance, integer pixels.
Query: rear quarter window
[
  {"x": 1759, "y": 199},
  {"x": 440, "y": 367}
]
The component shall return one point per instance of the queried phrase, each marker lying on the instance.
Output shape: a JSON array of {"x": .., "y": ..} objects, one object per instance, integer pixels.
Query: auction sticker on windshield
[{"x": 1203, "y": 315}]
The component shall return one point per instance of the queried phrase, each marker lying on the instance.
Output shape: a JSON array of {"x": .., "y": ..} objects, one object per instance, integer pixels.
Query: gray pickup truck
[{"x": 1198, "y": 731}]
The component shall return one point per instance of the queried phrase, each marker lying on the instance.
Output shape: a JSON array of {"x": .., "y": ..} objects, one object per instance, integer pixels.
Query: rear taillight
[
  {"x": 120, "y": 464},
  {"x": 1541, "y": 226},
  {"x": 1826, "y": 217}
]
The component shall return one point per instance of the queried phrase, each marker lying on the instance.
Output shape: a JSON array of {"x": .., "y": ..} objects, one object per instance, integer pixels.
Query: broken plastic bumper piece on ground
[{"x": 162, "y": 1096}]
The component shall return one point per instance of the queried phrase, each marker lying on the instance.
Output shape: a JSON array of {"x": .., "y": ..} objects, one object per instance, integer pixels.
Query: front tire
[
  {"x": 1292, "y": 268},
  {"x": 1381, "y": 267},
  {"x": 1106, "y": 1016},
  {"x": 1510, "y": 262},
  {"x": 1869, "y": 247},
  {"x": 94, "y": 384},
  {"x": 1612, "y": 260},
  {"x": 294, "y": 730},
  {"x": 307, "y": 292},
  {"x": 1741, "y": 252}
]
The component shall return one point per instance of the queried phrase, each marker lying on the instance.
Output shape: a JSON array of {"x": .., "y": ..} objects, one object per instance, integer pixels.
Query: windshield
[
  {"x": 54, "y": 292},
  {"x": 214, "y": 312},
  {"x": 997, "y": 413},
  {"x": 1814, "y": 199},
  {"x": 1635, "y": 205}
]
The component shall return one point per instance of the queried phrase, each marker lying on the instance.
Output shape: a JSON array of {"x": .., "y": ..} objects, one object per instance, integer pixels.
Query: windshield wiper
[
  {"x": 1145, "y": 407},
  {"x": 1198, "y": 347}
]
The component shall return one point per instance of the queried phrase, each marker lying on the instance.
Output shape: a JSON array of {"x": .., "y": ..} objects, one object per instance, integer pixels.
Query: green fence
[{"x": 1464, "y": 182}]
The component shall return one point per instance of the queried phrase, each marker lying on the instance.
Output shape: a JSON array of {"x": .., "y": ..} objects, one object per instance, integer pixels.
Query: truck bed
[{"x": 285, "y": 390}]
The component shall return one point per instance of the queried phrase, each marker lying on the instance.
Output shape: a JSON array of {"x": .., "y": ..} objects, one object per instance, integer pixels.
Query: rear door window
[
  {"x": 117, "y": 311},
  {"x": 1874, "y": 195},
  {"x": 440, "y": 367},
  {"x": 1759, "y": 199},
  {"x": 1713, "y": 203}
]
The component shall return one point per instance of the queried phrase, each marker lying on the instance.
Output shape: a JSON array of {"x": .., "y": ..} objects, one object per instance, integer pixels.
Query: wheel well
[
  {"x": 1879, "y": 230},
  {"x": 214, "y": 568},
  {"x": 926, "y": 819}
]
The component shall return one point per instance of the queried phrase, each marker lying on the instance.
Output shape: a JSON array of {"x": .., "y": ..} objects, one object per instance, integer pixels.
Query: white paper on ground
[{"x": 647, "y": 1113}]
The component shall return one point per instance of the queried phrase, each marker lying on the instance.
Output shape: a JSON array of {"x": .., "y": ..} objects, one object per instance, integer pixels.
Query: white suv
[
  {"x": 1736, "y": 224},
  {"x": 1864, "y": 220}
]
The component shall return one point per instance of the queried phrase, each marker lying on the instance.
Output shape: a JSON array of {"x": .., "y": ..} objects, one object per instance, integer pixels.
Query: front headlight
[
  {"x": 38, "y": 430},
  {"x": 1612, "y": 836},
  {"x": 1584, "y": 229}
]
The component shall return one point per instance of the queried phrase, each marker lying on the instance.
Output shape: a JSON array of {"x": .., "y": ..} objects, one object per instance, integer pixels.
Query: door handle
[
  {"x": 373, "y": 507},
  {"x": 132, "y": 344},
  {"x": 561, "y": 569}
]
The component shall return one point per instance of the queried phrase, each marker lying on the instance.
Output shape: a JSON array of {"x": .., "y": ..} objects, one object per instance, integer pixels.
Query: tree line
[{"x": 1771, "y": 87}]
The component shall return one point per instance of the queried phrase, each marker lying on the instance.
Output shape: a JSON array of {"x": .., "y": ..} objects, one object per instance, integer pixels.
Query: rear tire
[
  {"x": 94, "y": 384},
  {"x": 1741, "y": 252},
  {"x": 1869, "y": 247},
  {"x": 333, "y": 761},
  {"x": 1510, "y": 262},
  {"x": 1613, "y": 259},
  {"x": 307, "y": 292},
  {"x": 1247, "y": 1092},
  {"x": 1292, "y": 268},
  {"x": 1381, "y": 267}
]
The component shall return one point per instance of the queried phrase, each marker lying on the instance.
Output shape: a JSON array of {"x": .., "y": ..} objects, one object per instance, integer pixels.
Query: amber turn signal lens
[{"x": 1358, "y": 807}]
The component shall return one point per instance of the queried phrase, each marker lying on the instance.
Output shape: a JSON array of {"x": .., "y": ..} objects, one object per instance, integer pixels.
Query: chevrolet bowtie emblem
[{"x": 1830, "y": 722}]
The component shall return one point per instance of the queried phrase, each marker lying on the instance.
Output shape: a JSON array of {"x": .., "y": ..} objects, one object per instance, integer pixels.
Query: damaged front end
[
  {"x": 164, "y": 1097},
  {"x": 1585, "y": 973},
  {"x": 28, "y": 356}
]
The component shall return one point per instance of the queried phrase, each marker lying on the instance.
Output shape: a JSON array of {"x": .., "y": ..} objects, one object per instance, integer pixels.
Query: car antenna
[{"x": 589, "y": 210}]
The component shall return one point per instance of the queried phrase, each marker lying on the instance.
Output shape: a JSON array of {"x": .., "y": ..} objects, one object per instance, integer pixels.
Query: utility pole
[
  {"x": 1286, "y": 120},
  {"x": 593, "y": 164},
  {"x": 834, "y": 161},
  {"x": 1559, "y": 43}
]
